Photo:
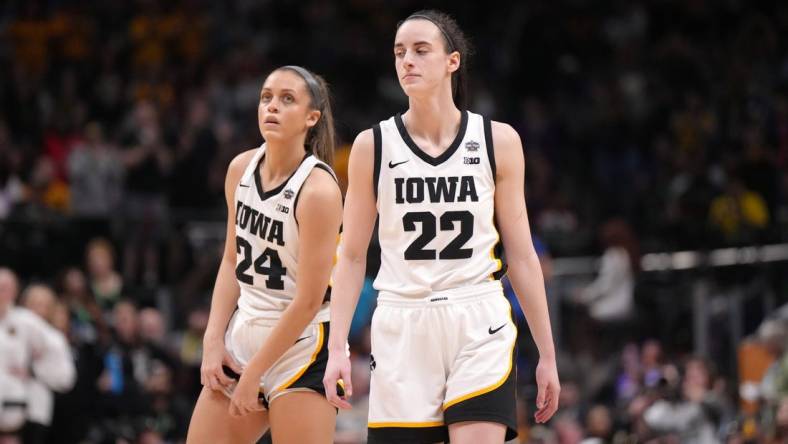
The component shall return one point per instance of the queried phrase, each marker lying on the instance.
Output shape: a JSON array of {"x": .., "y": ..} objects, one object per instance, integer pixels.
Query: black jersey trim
[
  {"x": 378, "y": 138},
  {"x": 434, "y": 161},
  {"x": 488, "y": 140},
  {"x": 498, "y": 248},
  {"x": 322, "y": 166},
  {"x": 411, "y": 435},
  {"x": 258, "y": 181},
  {"x": 498, "y": 254},
  {"x": 327, "y": 169}
]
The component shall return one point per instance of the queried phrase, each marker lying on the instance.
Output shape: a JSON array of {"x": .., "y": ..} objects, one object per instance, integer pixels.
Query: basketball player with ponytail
[
  {"x": 446, "y": 187},
  {"x": 265, "y": 347}
]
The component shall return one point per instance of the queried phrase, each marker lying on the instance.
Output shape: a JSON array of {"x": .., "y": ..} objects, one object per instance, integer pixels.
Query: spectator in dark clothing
[
  {"x": 66, "y": 426},
  {"x": 194, "y": 156},
  {"x": 129, "y": 366},
  {"x": 148, "y": 160}
]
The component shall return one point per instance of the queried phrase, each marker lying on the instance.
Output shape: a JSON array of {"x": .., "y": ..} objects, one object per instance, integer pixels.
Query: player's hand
[
  {"x": 215, "y": 355},
  {"x": 244, "y": 400},
  {"x": 549, "y": 389},
  {"x": 338, "y": 369}
]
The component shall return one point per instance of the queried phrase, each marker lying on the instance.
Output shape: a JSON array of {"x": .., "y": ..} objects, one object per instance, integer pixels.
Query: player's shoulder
[
  {"x": 507, "y": 147},
  {"x": 237, "y": 167},
  {"x": 362, "y": 152},
  {"x": 321, "y": 183},
  {"x": 505, "y": 136},
  {"x": 321, "y": 179},
  {"x": 319, "y": 193},
  {"x": 365, "y": 141},
  {"x": 241, "y": 161}
]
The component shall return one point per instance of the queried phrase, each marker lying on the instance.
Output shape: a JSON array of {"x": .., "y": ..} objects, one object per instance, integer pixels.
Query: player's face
[
  {"x": 285, "y": 109},
  {"x": 420, "y": 56}
]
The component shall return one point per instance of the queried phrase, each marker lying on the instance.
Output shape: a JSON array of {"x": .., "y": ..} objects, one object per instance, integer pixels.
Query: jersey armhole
[
  {"x": 488, "y": 141},
  {"x": 497, "y": 252},
  {"x": 295, "y": 201},
  {"x": 378, "y": 158}
]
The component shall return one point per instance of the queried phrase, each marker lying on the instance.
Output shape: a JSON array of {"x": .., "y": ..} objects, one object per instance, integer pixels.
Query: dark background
[{"x": 118, "y": 120}]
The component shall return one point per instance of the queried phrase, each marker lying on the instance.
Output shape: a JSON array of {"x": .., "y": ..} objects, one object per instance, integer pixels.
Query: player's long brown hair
[{"x": 320, "y": 139}]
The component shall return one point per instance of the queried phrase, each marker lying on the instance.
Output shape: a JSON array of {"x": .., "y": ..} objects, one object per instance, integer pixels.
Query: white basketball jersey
[
  {"x": 266, "y": 236},
  {"x": 436, "y": 214}
]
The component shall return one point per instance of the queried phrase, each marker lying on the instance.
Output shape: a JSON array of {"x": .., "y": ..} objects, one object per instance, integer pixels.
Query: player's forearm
[
  {"x": 223, "y": 301},
  {"x": 348, "y": 279},
  {"x": 527, "y": 281}
]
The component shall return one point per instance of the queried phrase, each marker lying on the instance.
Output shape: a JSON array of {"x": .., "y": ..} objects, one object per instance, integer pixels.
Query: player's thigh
[
  {"x": 211, "y": 422},
  {"x": 477, "y": 432},
  {"x": 300, "y": 417}
]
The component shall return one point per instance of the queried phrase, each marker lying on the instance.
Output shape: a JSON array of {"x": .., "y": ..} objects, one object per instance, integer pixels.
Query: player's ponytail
[
  {"x": 320, "y": 138},
  {"x": 453, "y": 40}
]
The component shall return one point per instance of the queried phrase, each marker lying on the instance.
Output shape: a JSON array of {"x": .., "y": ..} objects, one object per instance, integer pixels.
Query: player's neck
[
  {"x": 281, "y": 159},
  {"x": 434, "y": 118},
  {"x": 4, "y": 311}
]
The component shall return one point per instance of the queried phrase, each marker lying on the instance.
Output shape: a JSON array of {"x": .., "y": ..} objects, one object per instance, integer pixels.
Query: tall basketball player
[
  {"x": 268, "y": 323},
  {"x": 444, "y": 183}
]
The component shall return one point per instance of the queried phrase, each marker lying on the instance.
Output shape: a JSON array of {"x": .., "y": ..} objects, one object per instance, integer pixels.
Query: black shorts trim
[
  {"x": 410, "y": 435},
  {"x": 230, "y": 373},
  {"x": 312, "y": 378},
  {"x": 498, "y": 405}
]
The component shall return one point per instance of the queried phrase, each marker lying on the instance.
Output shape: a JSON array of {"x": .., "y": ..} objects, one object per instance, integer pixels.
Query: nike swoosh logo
[
  {"x": 491, "y": 331},
  {"x": 392, "y": 165},
  {"x": 242, "y": 185},
  {"x": 301, "y": 339}
]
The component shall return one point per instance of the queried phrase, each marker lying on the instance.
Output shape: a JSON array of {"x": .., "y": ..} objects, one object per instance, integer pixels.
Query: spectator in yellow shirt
[{"x": 738, "y": 214}]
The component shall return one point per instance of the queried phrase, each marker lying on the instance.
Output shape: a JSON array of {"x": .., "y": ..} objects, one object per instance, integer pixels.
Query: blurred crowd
[
  {"x": 132, "y": 372},
  {"x": 648, "y": 126},
  {"x": 136, "y": 375}
]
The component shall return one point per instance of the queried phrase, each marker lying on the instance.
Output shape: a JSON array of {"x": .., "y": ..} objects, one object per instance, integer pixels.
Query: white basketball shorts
[
  {"x": 439, "y": 360},
  {"x": 301, "y": 368}
]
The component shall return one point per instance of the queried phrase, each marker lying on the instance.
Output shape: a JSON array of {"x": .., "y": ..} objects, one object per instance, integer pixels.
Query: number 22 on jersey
[{"x": 428, "y": 223}]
